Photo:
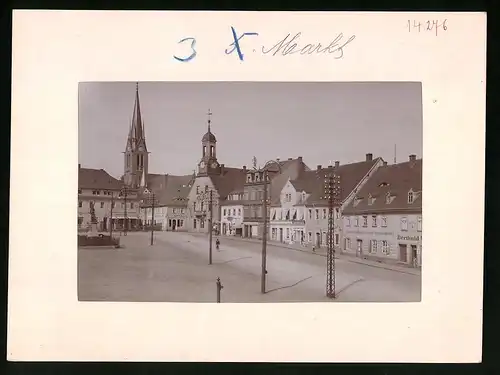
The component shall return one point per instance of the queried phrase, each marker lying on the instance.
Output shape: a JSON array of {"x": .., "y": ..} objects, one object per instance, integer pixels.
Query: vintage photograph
[{"x": 234, "y": 192}]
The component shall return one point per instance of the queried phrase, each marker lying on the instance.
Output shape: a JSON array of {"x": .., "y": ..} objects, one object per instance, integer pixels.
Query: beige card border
[{"x": 54, "y": 50}]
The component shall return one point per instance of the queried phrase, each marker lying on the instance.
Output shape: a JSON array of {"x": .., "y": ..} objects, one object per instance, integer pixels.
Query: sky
[{"x": 321, "y": 121}]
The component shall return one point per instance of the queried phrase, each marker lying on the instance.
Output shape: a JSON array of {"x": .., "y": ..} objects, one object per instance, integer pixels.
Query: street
[{"x": 176, "y": 269}]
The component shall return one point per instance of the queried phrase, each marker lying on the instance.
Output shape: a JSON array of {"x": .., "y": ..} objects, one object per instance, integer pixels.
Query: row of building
[{"x": 380, "y": 215}]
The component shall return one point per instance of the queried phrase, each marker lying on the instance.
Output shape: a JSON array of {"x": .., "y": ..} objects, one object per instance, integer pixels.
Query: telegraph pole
[
  {"x": 264, "y": 238},
  {"x": 219, "y": 288},
  {"x": 111, "y": 214},
  {"x": 332, "y": 193},
  {"x": 125, "y": 218},
  {"x": 152, "y": 216},
  {"x": 210, "y": 227}
]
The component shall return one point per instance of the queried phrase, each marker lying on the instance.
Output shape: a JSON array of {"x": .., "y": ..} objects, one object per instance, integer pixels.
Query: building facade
[
  {"x": 232, "y": 215},
  {"x": 301, "y": 215},
  {"x": 384, "y": 220}
]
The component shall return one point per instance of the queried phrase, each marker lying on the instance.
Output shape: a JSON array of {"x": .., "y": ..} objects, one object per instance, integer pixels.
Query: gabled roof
[
  {"x": 396, "y": 180},
  {"x": 313, "y": 181},
  {"x": 170, "y": 190},
  {"x": 98, "y": 179},
  {"x": 231, "y": 179}
]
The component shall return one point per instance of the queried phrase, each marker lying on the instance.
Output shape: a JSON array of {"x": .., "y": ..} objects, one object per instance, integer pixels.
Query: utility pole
[
  {"x": 111, "y": 218},
  {"x": 210, "y": 227},
  {"x": 125, "y": 218},
  {"x": 264, "y": 238},
  {"x": 332, "y": 194},
  {"x": 152, "y": 216}
]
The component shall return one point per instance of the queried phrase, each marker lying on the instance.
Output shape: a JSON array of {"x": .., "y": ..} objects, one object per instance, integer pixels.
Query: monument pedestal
[{"x": 93, "y": 230}]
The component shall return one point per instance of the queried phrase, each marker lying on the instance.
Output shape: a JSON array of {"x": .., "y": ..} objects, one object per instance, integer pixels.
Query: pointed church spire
[{"x": 137, "y": 127}]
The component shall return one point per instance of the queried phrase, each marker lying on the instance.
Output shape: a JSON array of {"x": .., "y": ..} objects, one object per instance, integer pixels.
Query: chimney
[
  {"x": 290, "y": 159},
  {"x": 337, "y": 163},
  {"x": 244, "y": 168},
  {"x": 318, "y": 167},
  {"x": 300, "y": 158},
  {"x": 369, "y": 157},
  {"x": 222, "y": 168},
  {"x": 385, "y": 163},
  {"x": 413, "y": 157}
]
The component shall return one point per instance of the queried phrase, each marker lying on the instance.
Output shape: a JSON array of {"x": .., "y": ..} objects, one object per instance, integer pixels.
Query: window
[
  {"x": 182, "y": 210},
  {"x": 309, "y": 236},
  {"x": 324, "y": 213},
  {"x": 356, "y": 222},
  {"x": 112, "y": 204},
  {"x": 194, "y": 207},
  {"x": 385, "y": 248},
  {"x": 234, "y": 211},
  {"x": 80, "y": 220},
  {"x": 249, "y": 178},
  {"x": 287, "y": 232},
  {"x": 373, "y": 246},
  {"x": 123, "y": 204},
  {"x": 224, "y": 212},
  {"x": 347, "y": 244},
  {"x": 174, "y": 210},
  {"x": 131, "y": 204},
  {"x": 310, "y": 214},
  {"x": 201, "y": 206},
  {"x": 384, "y": 221},
  {"x": 102, "y": 204},
  {"x": 79, "y": 191},
  {"x": 374, "y": 220},
  {"x": 257, "y": 179},
  {"x": 80, "y": 204},
  {"x": 365, "y": 221},
  {"x": 348, "y": 221},
  {"x": 336, "y": 239},
  {"x": 410, "y": 197},
  {"x": 239, "y": 211},
  {"x": 404, "y": 223},
  {"x": 194, "y": 223},
  {"x": 419, "y": 223},
  {"x": 202, "y": 224},
  {"x": 337, "y": 213},
  {"x": 212, "y": 150},
  {"x": 181, "y": 223},
  {"x": 317, "y": 214}
]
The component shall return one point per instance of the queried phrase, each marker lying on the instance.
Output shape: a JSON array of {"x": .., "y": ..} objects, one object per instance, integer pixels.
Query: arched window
[
  {"x": 211, "y": 151},
  {"x": 204, "y": 150}
]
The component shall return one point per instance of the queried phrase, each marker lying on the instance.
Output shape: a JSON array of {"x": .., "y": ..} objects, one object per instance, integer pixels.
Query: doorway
[
  {"x": 359, "y": 248},
  {"x": 174, "y": 224},
  {"x": 414, "y": 256},
  {"x": 402, "y": 253},
  {"x": 281, "y": 234},
  {"x": 318, "y": 240}
]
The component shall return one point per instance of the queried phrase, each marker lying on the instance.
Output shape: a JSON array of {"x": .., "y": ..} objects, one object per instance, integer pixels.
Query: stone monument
[{"x": 93, "y": 222}]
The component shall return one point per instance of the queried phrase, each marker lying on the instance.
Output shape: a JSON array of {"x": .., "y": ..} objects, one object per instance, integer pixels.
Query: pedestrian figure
[
  {"x": 314, "y": 249},
  {"x": 217, "y": 243}
]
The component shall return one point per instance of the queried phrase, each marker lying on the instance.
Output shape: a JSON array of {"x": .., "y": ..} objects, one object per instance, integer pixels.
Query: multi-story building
[
  {"x": 112, "y": 203},
  {"x": 232, "y": 215},
  {"x": 301, "y": 215},
  {"x": 211, "y": 186},
  {"x": 384, "y": 219}
]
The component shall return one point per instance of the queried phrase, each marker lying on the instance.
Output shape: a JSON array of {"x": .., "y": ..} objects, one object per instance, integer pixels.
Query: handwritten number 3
[{"x": 190, "y": 57}]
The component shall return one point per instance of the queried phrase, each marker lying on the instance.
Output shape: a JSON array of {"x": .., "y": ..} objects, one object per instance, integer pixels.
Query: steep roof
[
  {"x": 171, "y": 190},
  {"x": 231, "y": 179},
  {"x": 137, "y": 137},
  {"x": 89, "y": 178},
  {"x": 397, "y": 180},
  {"x": 312, "y": 182}
]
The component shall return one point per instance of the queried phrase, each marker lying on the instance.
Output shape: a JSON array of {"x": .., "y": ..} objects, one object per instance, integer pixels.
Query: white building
[
  {"x": 384, "y": 220},
  {"x": 302, "y": 214},
  {"x": 232, "y": 215}
]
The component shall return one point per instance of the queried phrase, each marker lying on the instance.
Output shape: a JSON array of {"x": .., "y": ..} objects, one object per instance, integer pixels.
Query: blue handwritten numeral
[
  {"x": 190, "y": 57},
  {"x": 236, "y": 44}
]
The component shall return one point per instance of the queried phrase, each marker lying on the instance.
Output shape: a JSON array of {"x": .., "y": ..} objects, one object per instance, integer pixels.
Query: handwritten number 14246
[{"x": 417, "y": 26}]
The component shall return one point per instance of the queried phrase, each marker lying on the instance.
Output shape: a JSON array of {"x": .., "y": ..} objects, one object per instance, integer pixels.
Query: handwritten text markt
[{"x": 286, "y": 46}]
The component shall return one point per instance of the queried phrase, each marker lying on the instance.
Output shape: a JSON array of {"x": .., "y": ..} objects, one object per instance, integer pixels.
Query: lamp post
[
  {"x": 151, "y": 200},
  {"x": 125, "y": 191},
  {"x": 111, "y": 216},
  {"x": 206, "y": 197},
  {"x": 266, "y": 198},
  {"x": 332, "y": 195}
]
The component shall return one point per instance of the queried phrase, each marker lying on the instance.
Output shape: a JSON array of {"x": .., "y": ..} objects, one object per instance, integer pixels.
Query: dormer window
[
  {"x": 257, "y": 177},
  {"x": 388, "y": 198},
  {"x": 370, "y": 199},
  {"x": 383, "y": 184},
  {"x": 411, "y": 196},
  {"x": 249, "y": 178}
]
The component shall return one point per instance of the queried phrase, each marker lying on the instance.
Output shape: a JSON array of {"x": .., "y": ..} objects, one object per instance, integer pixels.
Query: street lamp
[
  {"x": 124, "y": 193},
  {"x": 204, "y": 198},
  {"x": 150, "y": 201},
  {"x": 332, "y": 194},
  {"x": 265, "y": 222}
]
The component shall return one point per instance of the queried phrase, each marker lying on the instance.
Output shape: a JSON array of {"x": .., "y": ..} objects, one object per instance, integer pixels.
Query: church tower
[
  {"x": 208, "y": 164},
  {"x": 136, "y": 152}
]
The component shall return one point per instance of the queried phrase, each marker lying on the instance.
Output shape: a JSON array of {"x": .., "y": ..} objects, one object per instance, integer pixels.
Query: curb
[{"x": 346, "y": 258}]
